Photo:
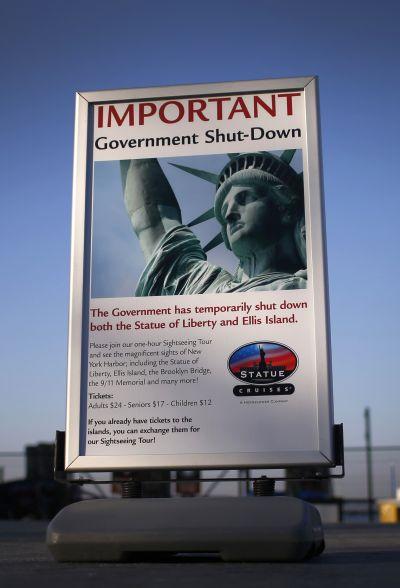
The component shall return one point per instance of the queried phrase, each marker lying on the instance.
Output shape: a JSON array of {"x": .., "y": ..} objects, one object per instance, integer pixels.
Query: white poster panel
[{"x": 198, "y": 324}]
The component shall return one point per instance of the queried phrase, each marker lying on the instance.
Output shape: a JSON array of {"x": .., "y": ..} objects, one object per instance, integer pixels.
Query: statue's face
[{"x": 252, "y": 219}]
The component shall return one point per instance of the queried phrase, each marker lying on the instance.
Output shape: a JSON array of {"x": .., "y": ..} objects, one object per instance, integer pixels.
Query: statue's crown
[{"x": 262, "y": 168}]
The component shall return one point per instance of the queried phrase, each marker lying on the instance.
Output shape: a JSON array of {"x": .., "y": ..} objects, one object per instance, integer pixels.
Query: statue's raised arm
[{"x": 150, "y": 202}]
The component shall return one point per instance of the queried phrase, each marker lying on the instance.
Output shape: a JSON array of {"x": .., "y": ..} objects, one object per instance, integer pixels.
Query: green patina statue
[{"x": 260, "y": 206}]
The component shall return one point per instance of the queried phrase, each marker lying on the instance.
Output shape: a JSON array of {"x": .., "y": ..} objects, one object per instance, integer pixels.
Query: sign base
[{"x": 267, "y": 528}]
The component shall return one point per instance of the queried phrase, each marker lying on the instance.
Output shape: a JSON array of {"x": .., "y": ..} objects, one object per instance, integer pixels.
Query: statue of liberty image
[
  {"x": 262, "y": 365},
  {"x": 259, "y": 205}
]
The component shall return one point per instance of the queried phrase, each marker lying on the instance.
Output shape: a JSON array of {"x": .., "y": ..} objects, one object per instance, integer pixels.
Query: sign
[{"x": 198, "y": 333}]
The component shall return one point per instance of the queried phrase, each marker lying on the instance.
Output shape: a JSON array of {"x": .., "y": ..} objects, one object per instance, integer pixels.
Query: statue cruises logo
[{"x": 262, "y": 364}]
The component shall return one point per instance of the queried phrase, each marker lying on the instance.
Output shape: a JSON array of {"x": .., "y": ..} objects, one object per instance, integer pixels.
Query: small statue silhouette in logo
[{"x": 262, "y": 365}]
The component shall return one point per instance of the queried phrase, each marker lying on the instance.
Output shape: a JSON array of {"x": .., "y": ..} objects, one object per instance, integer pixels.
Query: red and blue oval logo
[{"x": 263, "y": 362}]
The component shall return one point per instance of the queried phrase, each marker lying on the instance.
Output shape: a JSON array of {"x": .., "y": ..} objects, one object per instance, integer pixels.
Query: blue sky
[{"x": 50, "y": 49}]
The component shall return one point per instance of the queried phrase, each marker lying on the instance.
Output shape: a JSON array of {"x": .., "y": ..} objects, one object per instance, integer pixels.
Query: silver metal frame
[{"x": 75, "y": 459}]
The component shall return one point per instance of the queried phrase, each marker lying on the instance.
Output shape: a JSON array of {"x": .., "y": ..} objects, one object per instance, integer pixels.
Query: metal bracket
[{"x": 60, "y": 475}]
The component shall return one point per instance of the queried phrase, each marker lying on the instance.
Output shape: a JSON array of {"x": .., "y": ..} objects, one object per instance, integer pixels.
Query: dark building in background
[{"x": 38, "y": 495}]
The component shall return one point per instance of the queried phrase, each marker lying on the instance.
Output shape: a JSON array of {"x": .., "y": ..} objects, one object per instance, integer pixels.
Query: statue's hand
[
  {"x": 139, "y": 181},
  {"x": 149, "y": 201},
  {"x": 145, "y": 186}
]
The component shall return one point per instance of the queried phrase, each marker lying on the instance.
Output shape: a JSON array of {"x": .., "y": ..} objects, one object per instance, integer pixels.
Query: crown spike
[
  {"x": 202, "y": 218},
  {"x": 204, "y": 175},
  {"x": 287, "y": 155},
  {"x": 218, "y": 239}
]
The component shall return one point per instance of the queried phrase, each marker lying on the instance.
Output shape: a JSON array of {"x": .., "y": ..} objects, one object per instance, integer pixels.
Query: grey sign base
[{"x": 271, "y": 528}]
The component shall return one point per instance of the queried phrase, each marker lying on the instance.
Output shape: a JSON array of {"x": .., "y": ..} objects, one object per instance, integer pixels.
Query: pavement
[{"x": 356, "y": 555}]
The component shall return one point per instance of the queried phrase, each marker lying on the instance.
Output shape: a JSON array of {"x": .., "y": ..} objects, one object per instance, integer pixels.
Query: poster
[{"x": 198, "y": 328}]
